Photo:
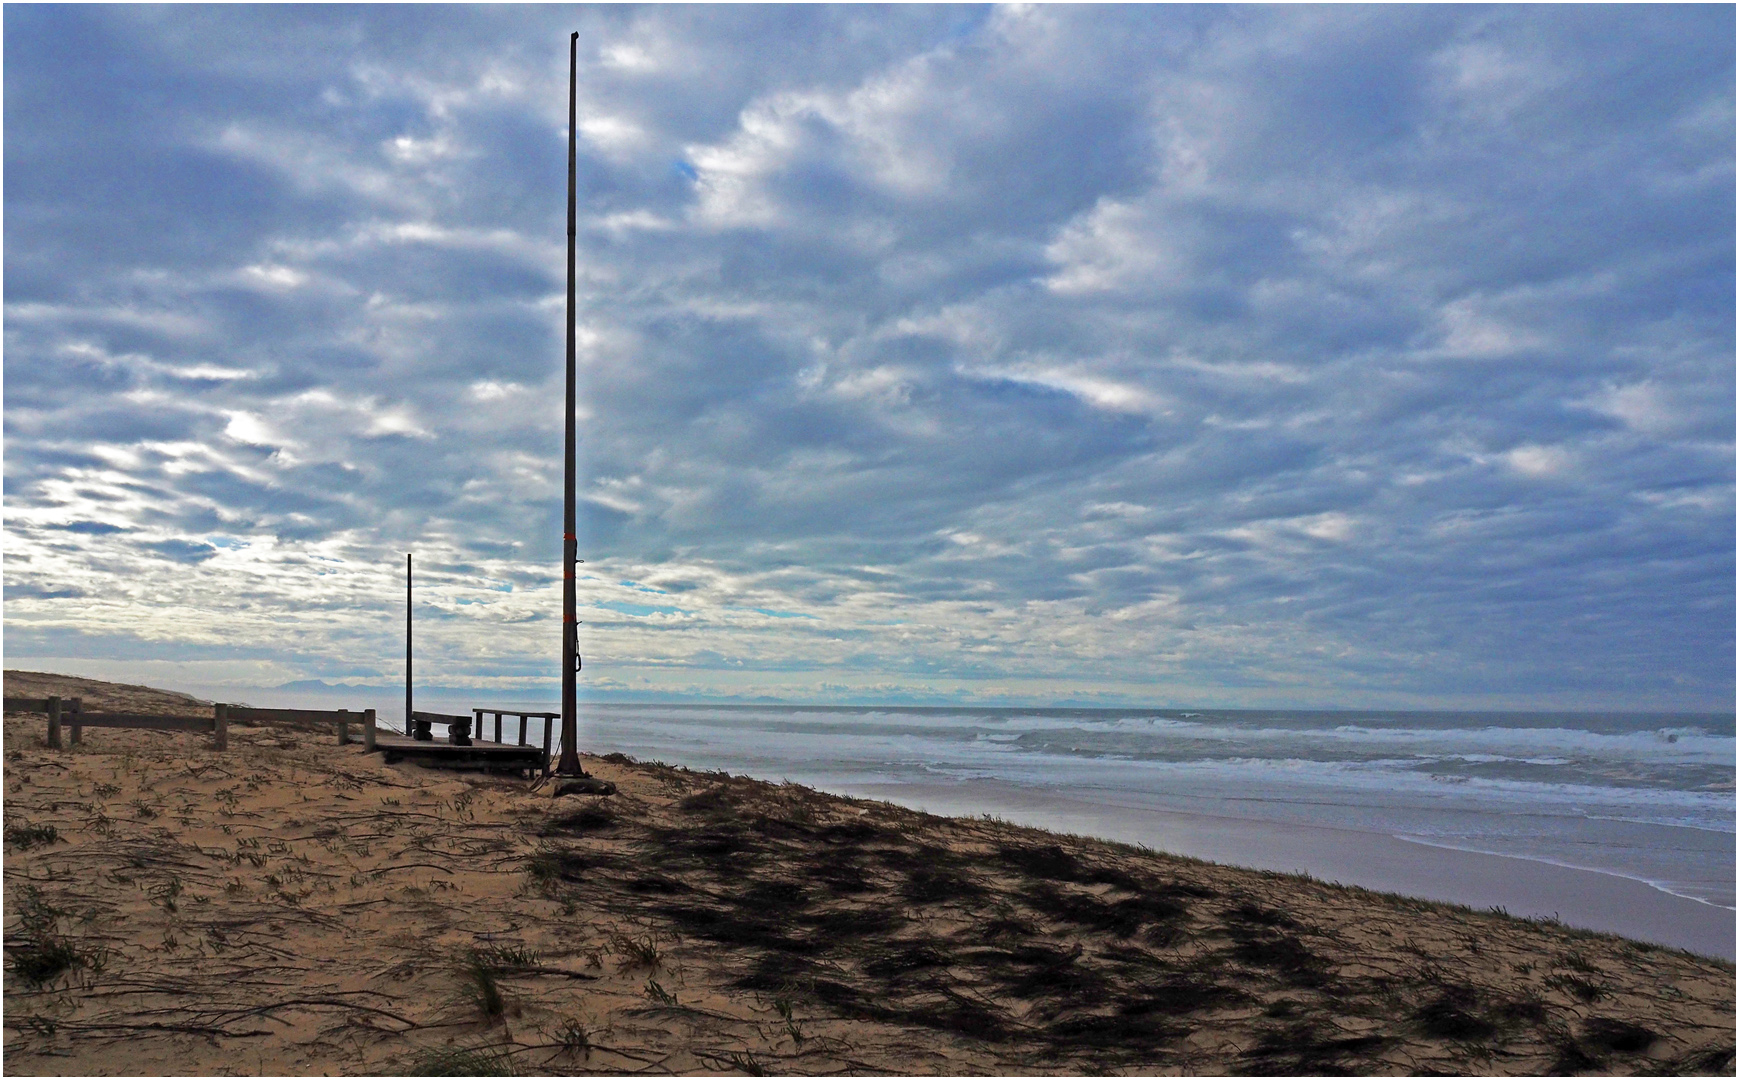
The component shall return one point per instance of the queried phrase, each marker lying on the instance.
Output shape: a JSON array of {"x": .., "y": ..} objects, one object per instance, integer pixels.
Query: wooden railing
[
  {"x": 340, "y": 719},
  {"x": 56, "y": 708},
  {"x": 546, "y": 717},
  {"x": 76, "y": 718},
  {"x": 70, "y": 711}
]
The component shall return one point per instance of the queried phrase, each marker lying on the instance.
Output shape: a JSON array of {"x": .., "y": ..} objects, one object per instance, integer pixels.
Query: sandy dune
[{"x": 292, "y": 906}]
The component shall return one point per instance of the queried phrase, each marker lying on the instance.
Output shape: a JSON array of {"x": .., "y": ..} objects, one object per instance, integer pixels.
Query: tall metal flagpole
[{"x": 570, "y": 759}]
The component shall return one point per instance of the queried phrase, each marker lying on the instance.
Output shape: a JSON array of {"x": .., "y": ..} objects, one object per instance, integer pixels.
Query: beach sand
[{"x": 289, "y": 906}]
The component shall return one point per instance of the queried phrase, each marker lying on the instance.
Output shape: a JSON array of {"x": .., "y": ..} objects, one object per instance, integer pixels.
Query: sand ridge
[{"x": 290, "y": 906}]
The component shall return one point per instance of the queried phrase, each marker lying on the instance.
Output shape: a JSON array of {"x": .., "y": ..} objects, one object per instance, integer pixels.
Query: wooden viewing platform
[
  {"x": 441, "y": 754},
  {"x": 475, "y": 753}
]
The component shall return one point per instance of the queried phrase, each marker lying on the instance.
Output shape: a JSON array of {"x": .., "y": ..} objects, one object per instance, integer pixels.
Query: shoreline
[
  {"x": 1656, "y": 885},
  {"x": 1590, "y": 899}
]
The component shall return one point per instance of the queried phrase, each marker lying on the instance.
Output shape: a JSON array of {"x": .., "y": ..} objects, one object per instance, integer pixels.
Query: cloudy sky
[{"x": 1364, "y": 357}]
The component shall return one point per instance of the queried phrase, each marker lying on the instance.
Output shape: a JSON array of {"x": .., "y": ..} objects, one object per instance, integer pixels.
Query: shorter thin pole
[{"x": 407, "y": 643}]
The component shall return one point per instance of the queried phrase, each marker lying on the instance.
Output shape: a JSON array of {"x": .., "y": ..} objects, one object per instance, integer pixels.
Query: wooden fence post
[
  {"x": 54, "y": 723},
  {"x": 78, "y": 706},
  {"x": 343, "y": 726},
  {"x": 220, "y": 727},
  {"x": 368, "y": 730},
  {"x": 546, "y": 732}
]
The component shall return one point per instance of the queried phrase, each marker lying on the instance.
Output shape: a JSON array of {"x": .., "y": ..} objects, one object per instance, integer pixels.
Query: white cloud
[
  {"x": 396, "y": 421},
  {"x": 1115, "y": 246},
  {"x": 490, "y": 390},
  {"x": 280, "y": 277},
  {"x": 410, "y": 150},
  {"x": 247, "y": 428},
  {"x": 628, "y": 56},
  {"x": 1645, "y": 407},
  {"x": 1539, "y": 461},
  {"x": 618, "y": 136},
  {"x": 312, "y": 163},
  {"x": 1469, "y": 331},
  {"x": 1330, "y": 526},
  {"x": 1095, "y": 390},
  {"x": 1489, "y": 84}
]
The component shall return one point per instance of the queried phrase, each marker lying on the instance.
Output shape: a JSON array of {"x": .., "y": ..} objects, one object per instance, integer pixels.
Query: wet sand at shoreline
[{"x": 1582, "y": 898}]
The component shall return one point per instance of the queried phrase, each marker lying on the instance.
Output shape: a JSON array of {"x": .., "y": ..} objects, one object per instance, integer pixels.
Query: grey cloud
[
  {"x": 27, "y": 590},
  {"x": 182, "y": 551}
]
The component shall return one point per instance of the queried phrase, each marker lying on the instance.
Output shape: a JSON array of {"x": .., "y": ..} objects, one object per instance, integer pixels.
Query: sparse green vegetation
[
  {"x": 1577, "y": 987},
  {"x": 27, "y": 836},
  {"x": 639, "y": 950},
  {"x": 37, "y": 952},
  {"x": 658, "y": 993},
  {"x": 462, "y": 1061},
  {"x": 480, "y": 986},
  {"x": 574, "y": 1037},
  {"x": 507, "y": 957}
]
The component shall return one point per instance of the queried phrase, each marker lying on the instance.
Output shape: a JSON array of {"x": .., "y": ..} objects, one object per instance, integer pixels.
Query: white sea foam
[{"x": 1682, "y": 890}]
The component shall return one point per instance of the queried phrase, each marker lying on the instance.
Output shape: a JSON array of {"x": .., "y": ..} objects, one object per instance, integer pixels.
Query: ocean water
[{"x": 1646, "y": 797}]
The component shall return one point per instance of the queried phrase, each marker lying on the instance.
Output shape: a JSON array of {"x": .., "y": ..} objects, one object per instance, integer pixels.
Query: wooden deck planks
[{"x": 444, "y": 755}]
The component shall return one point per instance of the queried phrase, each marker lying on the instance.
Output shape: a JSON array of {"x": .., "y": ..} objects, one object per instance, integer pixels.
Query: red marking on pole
[{"x": 570, "y": 536}]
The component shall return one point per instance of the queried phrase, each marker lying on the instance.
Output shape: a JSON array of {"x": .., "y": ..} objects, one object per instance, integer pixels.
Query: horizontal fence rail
[
  {"x": 71, "y": 711},
  {"x": 340, "y": 719},
  {"x": 55, "y": 708},
  {"x": 153, "y": 723},
  {"x": 42, "y": 704}
]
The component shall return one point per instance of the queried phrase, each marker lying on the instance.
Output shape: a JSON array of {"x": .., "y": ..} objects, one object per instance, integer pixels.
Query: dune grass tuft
[
  {"x": 461, "y": 1061},
  {"x": 481, "y": 987},
  {"x": 38, "y": 953},
  {"x": 26, "y": 836}
]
